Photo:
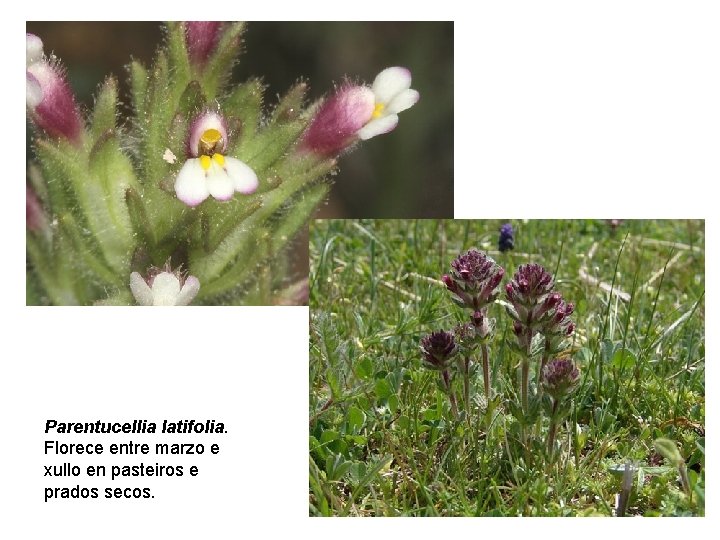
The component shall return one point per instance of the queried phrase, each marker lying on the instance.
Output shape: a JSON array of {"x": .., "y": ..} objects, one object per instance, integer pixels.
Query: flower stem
[
  {"x": 525, "y": 383},
  {"x": 553, "y": 430},
  {"x": 453, "y": 402},
  {"x": 543, "y": 363},
  {"x": 486, "y": 370},
  {"x": 467, "y": 385}
]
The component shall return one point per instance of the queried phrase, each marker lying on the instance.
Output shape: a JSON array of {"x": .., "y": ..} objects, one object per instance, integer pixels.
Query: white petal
[
  {"x": 140, "y": 290},
  {"x": 34, "y": 93},
  {"x": 379, "y": 126},
  {"x": 34, "y": 47},
  {"x": 390, "y": 82},
  {"x": 404, "y": 100},
  {"x": 219, "y": 183},
  {"x": 243, "y": 177},
  {"x": 190, "y": 185},
  {"x": 165, "y": 289},
  {"x": 188, "y": 291}
]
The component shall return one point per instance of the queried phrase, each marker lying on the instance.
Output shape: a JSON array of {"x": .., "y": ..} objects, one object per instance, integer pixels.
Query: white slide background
[{"x": 564, "y": 109}]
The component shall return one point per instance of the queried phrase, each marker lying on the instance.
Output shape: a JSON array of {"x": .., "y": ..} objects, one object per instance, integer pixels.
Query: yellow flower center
[
  {"x": 377, "y": 113},
  {"x": 206, "y": 161},
  {"x": 210, "y": 141}
]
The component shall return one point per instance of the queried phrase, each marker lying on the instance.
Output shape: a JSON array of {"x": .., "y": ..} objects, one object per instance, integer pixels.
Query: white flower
[
  {"x": 164, "y": 289},
  {"x": 209, "y": 171},
  {"x": 393, "y": 94},
  {"x": 34, "y": 55}
]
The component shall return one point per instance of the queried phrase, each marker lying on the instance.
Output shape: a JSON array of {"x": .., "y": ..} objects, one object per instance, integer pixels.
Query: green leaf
[
  {"x": 103, "y": 118},
  {"x": 393, "y": 403},
  {"x": 159, "y": 113},
  {"x": 329, "y": 435},
  {"x": 243, "y": 110},
  {"x": 355, "y": 418},
  {"x": 138, "y": 88},
  {"x": 179, "y": 61},
  {"x": 623, "y": 359},
  {"x": 333, "y": 383},
  {"x": 192, "y": 100},
  {"x": 271, "y": 144},
  {"x": 290, "y": 105},
  {"x": 364, "y": 368},
  {"x": 383, "y": 390},
  {"x": 139, "y": 218},
  {"x": 669, "y": 450},
  {"x": 102, "y": 195},
  {"x": 219, "y": 66},
  {"x": 61, "y": 163}
]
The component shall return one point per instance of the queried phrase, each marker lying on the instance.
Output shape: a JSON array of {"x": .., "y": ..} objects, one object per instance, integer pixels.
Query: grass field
[{"x": 384, "y": 440}]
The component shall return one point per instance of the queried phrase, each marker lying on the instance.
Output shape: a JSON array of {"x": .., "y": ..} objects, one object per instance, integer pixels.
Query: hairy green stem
[
  {"x": 453, "y": 402},
  {"x": 525, "y": 384},
  {"x": 553, "y": 429},
  {"x": 486, "y": 369},
  {"x": 467, "y": 384}
]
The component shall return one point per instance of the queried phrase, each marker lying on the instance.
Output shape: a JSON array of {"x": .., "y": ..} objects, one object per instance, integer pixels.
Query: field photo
[{"x": 507, "y": 368}]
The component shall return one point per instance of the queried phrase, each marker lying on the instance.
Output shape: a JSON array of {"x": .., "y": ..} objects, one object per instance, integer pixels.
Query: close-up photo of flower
[{"x": 185, "y": 168}]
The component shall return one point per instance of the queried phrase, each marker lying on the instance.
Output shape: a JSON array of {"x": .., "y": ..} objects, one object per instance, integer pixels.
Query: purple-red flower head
[
  {"x": 474, "y": 278},
  {"x": 560, "y": 377},
  {"x": 438, "y": 349}
]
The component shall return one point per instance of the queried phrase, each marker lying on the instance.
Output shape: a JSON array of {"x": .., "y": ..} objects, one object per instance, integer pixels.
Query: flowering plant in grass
[
  {"x": 541, "y": 327},
  {"x": 200, "y": 177}
]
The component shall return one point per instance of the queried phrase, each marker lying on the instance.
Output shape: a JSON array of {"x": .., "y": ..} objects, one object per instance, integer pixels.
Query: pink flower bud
[
  {"x": 49, "y": 98},
  {"x": 201, "y": 38},
  {"x": 338, "y": 120}
]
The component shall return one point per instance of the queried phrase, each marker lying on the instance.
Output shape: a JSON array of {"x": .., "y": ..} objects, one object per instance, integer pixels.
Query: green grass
[{"x": 383, "y": 441}]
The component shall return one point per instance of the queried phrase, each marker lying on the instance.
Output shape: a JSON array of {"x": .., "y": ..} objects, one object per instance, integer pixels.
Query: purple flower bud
[
  {"x": 201, "y": 38},
  {"x": 552, "y": 300},
  {"x": 49, "y": 100},
  {"x": 450, "y": 283},
  {"x": 530, "y": 284},
  {"x": 506, "y": 241},
  {"x": 478, "y": 277},
  {"x": 338, "y": 120},
  {"x": 560, "y": 377},
  {"x": 438, "y": 348}
]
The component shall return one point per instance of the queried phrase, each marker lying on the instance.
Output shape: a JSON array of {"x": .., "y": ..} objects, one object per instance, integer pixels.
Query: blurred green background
[{"x": 406, "y": 173}]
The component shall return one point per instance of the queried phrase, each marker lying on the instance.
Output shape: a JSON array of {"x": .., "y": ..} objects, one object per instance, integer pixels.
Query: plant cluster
[{"x": 542, "y": 331}]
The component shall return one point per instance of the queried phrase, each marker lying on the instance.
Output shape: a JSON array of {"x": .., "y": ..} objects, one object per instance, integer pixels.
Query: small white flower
[
  {"x": 209, "y": 171},
  {"x": 164, "y": 288},
  {"x": 392, "y": 95}
]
